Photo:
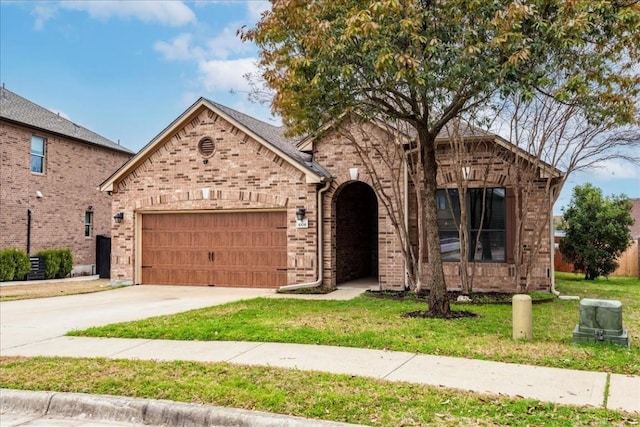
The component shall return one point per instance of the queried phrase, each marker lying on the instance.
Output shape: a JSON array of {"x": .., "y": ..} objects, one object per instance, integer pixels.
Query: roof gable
[
  {"x": 17, "y": 109},
  {"x": 466, "y": 131},
  {"x": 265, "y": 134}
]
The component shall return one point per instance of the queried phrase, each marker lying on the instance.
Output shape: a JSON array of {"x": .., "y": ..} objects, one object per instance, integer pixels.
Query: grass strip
[{"x": 301, "y": 393}]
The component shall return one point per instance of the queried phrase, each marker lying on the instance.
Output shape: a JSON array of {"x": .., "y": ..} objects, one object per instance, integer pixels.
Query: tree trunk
[
  {"x": 438, "y": 300},
  {"x": 590, "y": 274}
]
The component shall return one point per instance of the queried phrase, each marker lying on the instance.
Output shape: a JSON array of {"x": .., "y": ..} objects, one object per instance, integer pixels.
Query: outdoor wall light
[
  {"x": 300, "y": 214},
  {"x": 301, "y": 221},
  {"x": 118, "y": 217}
]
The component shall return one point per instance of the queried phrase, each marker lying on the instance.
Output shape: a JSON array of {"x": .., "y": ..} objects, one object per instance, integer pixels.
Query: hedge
[
  {"x": 14, "y": 264},
  {"x": 58, "y": 262}
]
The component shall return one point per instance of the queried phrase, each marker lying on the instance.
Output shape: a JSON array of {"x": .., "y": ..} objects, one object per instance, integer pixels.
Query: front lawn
[{"x": 367, "y": 322}]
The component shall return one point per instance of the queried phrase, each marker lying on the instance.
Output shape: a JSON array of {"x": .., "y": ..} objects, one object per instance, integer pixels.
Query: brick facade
[
  {"x": 241, "y": 175},
  {"x": 246, "y": 174},
  {"x": 339, "y": 157},
  {"x": 69, "y": 187},
  {"x": 491, "y": 165}
]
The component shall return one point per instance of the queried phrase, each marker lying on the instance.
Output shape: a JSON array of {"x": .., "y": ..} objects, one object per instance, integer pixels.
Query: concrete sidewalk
[
  {"x": 37, "y": 328},
  {"x": 564, "y": 386}
]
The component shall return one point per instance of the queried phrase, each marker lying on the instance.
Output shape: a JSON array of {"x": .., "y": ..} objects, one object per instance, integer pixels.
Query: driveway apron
[{"x": 34, "y": 320}]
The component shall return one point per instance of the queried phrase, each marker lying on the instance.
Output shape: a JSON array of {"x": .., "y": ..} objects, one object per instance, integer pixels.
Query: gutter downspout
[
  {"x": 320, "y": 255},
  {"x": 28, "y": 231}
]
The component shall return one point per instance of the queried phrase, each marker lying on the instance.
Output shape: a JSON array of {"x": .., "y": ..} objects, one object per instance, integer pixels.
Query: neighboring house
[
  {"x": 220, "y": 198},
  {"x": 50, "y": 173},
  {"x": 630, "y": 259},
  {"x": 628, "y": 262}
]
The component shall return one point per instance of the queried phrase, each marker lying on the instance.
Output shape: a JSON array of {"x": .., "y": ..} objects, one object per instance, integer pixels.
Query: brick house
[
  {"x": 220, "y": 198},
  {"x": 51, "y": 170}
]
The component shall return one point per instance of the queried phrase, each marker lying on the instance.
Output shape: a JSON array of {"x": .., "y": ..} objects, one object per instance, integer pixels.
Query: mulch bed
[
  {"x": 475, "y": 298},
  {"x": 453, "y": 314}
]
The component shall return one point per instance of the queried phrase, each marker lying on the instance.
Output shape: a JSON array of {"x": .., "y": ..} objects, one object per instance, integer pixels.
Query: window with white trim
[
  {"x": 38, "y": 150},
  {"x": 88, "y": 224}
]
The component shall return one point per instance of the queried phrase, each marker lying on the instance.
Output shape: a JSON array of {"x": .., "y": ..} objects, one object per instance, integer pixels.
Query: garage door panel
[
  {"x": 191, "y": 258},
  {"x": 279, "y": 239},
  {"x": 199, "y": 277},
  {"x": 240, "y": 239},
  {"x": 220, "y": 239},
  {"x": 236, "y": 277},
  {"x": 261, "y": 238},
  {"x": 222, "y": 249}
]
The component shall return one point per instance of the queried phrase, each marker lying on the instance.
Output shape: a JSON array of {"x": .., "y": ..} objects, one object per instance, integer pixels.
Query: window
[
  {"x": 37, "y": 154},
  {"x": 88, "y": 223},
  {"x": 486, "y": 224}
]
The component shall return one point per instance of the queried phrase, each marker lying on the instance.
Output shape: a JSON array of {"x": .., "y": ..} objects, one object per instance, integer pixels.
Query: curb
[{"x": 144, "y": 411}]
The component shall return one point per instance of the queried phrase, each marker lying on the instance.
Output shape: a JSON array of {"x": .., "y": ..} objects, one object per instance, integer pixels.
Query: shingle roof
[
  {"x": 275, "y": 136},
  {"x": 18, "y": 109}
]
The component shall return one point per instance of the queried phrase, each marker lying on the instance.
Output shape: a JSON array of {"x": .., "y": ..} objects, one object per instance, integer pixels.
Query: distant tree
[{"x": 597, "y": 230}]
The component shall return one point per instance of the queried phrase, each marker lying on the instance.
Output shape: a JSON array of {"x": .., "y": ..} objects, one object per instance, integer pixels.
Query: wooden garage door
[{"x": 247, "y": 249}]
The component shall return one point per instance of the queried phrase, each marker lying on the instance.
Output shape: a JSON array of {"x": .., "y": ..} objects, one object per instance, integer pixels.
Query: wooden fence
[{"x": 629, "y": 261}]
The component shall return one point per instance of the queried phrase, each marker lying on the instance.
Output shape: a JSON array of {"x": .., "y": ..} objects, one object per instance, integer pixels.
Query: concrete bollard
[{"x": 522, "y": 317}]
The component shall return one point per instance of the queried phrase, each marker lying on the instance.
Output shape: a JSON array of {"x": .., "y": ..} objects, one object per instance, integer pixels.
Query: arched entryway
[{"x": 356, "y": 244}]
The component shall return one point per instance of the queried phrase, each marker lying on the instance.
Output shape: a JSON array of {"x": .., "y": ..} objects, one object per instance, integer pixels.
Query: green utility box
[{"x": 601, "y": 321}]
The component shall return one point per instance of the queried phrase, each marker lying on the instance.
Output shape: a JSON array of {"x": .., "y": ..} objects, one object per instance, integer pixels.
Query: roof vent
[{"x": 206, "y": 147}]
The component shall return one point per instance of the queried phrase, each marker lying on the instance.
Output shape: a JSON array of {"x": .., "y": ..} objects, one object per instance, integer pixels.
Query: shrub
[
  {"x": 7, "y": 268},
  {"x": 14, "y": 264},
  {"x": 58, "y": 262},
  {"x": 66, "y": 263},
  {"x": 52, "y": 262},
  {"x": 21, "y": 263}
]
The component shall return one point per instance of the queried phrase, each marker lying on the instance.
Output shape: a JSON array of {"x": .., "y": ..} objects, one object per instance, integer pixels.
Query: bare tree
[{"x": 557, "y": 140}]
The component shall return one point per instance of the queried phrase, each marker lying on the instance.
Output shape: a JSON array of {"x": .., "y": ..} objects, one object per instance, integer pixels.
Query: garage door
[{"x": 247, "y": 249}]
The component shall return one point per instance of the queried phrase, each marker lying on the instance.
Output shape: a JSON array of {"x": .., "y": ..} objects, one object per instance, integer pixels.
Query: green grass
[
  {"x": 308, "y": 394},
  {"x": 377, "y": 323}
]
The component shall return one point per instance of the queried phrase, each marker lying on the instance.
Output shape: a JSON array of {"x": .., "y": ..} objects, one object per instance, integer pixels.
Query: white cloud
[
  {"x": 179, "y": 49},
  {"x": 222, "y": 46},
  {"x": 228, "y": 43},
  {"x": 255, "y": 9},
  {"x": 258, "y": 111},
  {"x": 221, "y": 59},
  {"x": 225, "y": 75},
  {"x": 616, "y": 169},
  {"x": 43, "y": 13},
  {"x": 172, "y": 13},
  {"x": 188, "y": 98}
]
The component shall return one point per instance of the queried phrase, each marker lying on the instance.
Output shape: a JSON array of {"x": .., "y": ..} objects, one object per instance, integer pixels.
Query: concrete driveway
[{"x": 30, "y": 321}]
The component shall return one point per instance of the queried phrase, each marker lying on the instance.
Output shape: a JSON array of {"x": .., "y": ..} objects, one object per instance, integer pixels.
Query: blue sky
[{"x": 127, "y": 69}]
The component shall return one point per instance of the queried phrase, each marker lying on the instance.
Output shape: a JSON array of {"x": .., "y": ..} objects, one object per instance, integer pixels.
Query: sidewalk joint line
[
  {"x": 607, "y": 390},
  {"x": 413, "y": 356},
  {"x": 245, "y": 352}
]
